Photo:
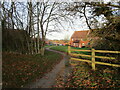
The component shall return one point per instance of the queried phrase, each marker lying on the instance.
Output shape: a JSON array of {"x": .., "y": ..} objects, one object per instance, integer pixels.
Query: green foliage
[
  {"x": 67, "y": 45},
  {"x": 106, "y": 11},
  {"x": 109, "y": 36}
]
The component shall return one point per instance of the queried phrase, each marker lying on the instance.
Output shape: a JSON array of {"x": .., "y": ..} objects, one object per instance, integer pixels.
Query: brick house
[{"x": 80, "y": 39}]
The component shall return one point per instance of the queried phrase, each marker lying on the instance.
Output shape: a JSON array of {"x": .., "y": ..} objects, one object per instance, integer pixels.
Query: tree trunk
[
  {"x": 86, "y": 17},
  {"x": 28, "y": 46},
  {"x": 35, "y": 48},
  {"x": 30, "y": 25},
  {"x": 42, "y": 50},
  {"x": 12, "y": 7},
  {"x": 42, "y": 46},
  {"x": 38, "y": 37}
]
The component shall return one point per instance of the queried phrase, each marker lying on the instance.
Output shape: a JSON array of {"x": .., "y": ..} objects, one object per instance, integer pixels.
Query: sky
[
  {"x": 79, "y": 24},
  {"x": 68, "y": 30}
]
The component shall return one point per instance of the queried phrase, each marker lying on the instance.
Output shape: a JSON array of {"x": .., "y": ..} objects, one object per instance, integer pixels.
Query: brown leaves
[
  {"x": 83, "y": 77},
  {"x": 19, "y": 70}
]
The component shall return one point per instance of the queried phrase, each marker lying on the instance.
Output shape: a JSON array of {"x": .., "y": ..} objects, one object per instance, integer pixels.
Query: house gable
[{"x": 79, "y": 37}]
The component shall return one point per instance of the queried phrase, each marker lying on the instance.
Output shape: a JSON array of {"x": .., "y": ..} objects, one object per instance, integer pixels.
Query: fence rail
[{"x": 93, "y": 56}]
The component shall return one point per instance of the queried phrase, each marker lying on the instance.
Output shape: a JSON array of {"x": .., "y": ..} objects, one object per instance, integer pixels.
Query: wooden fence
[{"x": 93, "y": 56}]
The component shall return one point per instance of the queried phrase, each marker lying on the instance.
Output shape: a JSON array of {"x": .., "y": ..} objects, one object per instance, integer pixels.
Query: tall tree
[{"x": 49, "y": 15}]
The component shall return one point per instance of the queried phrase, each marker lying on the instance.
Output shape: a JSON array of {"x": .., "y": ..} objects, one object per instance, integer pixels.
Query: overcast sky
[
  {"x": 69, "y": 29},
  {"x": 79, "y": 24}
]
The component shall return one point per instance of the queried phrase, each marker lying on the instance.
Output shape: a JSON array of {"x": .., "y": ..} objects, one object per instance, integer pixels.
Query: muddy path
[{"x": 49, "y": 79}]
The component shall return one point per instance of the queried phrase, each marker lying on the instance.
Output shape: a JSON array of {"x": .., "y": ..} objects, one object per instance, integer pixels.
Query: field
[
  {"x": 60, "y": 48},
  {"x": 65, "y": 49},
  {"x": 19, "y": 70}
]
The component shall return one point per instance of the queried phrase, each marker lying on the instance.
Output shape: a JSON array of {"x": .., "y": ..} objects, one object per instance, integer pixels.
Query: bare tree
[
  {"x": 66, "y": 39},
  {"x": 39, "y": 18},
  {"x": 49, "y": 14}
]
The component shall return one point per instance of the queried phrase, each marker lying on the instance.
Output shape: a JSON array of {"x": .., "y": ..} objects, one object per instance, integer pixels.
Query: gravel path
[{"x": 49, "y": 79}]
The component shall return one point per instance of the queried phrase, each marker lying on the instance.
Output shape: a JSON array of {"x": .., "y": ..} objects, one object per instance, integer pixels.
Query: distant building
[
  {"x": 47, "y": 42},
  {"x": 59, "y": 42},
  {"x": 80, "y": 39}
]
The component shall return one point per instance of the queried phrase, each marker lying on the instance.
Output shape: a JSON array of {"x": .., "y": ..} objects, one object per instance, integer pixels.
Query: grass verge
[
  {"x": 19, "y": 70},
  {"x": 60, "y": 48},
  {"x": 65, "y": 49}
]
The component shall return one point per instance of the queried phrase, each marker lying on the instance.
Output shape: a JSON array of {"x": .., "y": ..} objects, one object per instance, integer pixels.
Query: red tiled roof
[{"x": 80, "y": 34}]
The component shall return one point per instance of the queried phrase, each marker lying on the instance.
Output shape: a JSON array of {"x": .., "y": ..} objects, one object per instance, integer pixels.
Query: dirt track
[{"x": 49, "y": 79}]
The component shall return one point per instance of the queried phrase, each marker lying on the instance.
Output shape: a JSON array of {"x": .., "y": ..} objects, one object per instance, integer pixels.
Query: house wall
[
  {"x": 82, "y": 36},
  {"x": 76, "y": 44},
  {"x": 80, "y": 45},
  {"x": 83, "y": 43}
]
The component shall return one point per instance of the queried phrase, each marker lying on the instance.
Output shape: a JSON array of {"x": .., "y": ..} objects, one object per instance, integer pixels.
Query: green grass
[
  {"x": 60, "y": 48},
  {"x": 48, "y": 46},
  {"x": 81, "y": 52},
  {"x": 65, "y": 49},
  {"x": 19, "y": 70}
]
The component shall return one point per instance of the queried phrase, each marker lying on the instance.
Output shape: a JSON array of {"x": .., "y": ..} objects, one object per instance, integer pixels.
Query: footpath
[{"x": 49, "y": 79}]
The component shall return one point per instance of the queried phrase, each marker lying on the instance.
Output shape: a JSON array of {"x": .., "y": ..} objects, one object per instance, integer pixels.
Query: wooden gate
[{"x": 93, "y": 56}]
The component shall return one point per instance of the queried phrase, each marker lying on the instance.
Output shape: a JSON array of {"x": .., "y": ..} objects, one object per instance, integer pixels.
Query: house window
[{"x": 83, "y": 44}]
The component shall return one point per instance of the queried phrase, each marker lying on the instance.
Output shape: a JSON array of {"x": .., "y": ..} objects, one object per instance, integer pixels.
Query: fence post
[
  {"x": 93, "y": 58},
  {"x": 69, "y": 50},
  {"x": 69, "y": 53}
]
